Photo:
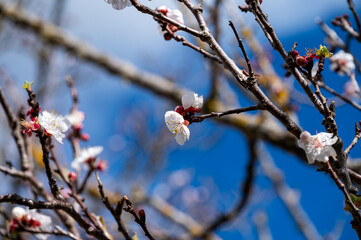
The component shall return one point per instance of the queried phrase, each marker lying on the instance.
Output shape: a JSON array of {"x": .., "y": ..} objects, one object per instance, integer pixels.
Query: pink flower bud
[
  {"x": 102, "y": 165},
  {"x": 72, "y": 176},
  {"x": 294, "y": 53},
  {"x": 301, "y": 61},
  {"x": 85, "y": 137},
  {"x": 186, "y": 123}
]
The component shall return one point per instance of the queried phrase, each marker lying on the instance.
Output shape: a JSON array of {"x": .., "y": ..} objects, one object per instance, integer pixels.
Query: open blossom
[
  {"x": 119, "y": 4},
  {"x": 177, "y": 125},
  {"x": 86, "y": 155},
  {"x": 318, "y": 147},
  {"x": 30, "y": 220},
  {"x": 29, "y": 127},
  {"x": 342, "y": 63},
  {"x": 76, "y": 119},
  {"x": 55, "y": 125},
  {"x": 191, "y": 102}
]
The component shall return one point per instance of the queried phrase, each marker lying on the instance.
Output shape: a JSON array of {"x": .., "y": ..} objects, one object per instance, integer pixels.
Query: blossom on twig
[
  {"x": 25, "y": 219},
  {"x": 342, "y": 63},
  {"x": 191, "y": 102},
  {"x": 175, "y": 15},
  {"x": 86, "y": 155},
  {"x": 318, "y": 147},
  {"x": 76, "y": 119},
  {"x": 29, "y": 127},
  {"x": 119, "y": 4},
  {"x": 54, "y": 125},
  {"x": 177, "y": 125}
]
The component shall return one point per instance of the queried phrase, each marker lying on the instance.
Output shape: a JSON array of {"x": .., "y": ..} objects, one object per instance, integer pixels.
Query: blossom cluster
[
  {"x": 177, "y": 121},
  {"x": 25, "y": 219},
  {"x": 318, "y": 147}
]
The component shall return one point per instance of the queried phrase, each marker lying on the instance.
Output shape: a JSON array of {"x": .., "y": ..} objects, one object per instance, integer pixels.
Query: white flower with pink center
[
  {"x": 76, "y": 119},
  {"x": 55, "y": 125},
  {"x": 30, "y": 220},
  {"x": 119, "y": 4},
  {"x": 191, "y": 102},
  {"x": 318, "y": 147},
  {"x": 342, "y": 63},
  {"x": 85, "y": 156},
  {"x": 177, "y": 125}
]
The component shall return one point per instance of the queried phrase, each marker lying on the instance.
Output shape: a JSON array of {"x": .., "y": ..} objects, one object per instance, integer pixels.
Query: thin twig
[
  {"x": 200, "y": 118},
  {"x": 240, "y": 44},
  {"x": 116, "y": 213}
]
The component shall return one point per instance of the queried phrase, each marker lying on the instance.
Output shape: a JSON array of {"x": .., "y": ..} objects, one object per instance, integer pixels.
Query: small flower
[
  {"x": 177, "y": 125},
  {"x": 29, "y": 126},
  {"x": 175, "y": 15},
  {"x": 76, "y": 119},
  {"x": 54, "y": 125},
  {"x": 318, "y": 147},
  {"x": 342, "y": 63},
  {"x": 86, "y": 155},
  {"x": 191, "y": 102},
  {"x": 119, "y": 4},
  {"x": 30, "y": 220},
  {"x": 351, "y": 89}
]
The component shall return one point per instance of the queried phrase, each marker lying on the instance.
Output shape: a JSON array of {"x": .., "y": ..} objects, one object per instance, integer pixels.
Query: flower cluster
[
  {"x": 25, "y": 219},
  {"x": 54, "y": 125},
  {"x": 318, "y": 147},
  {"x": 30, "y": 127},
  {"x": 119, "y": 4},
  {"x": 306, "y": 60},
  {"x": 342, "y": 63},
  {"x": 88, "y": 156},
  {"x": 177, "y": 121},
  {"x": 168, "y": 29}
]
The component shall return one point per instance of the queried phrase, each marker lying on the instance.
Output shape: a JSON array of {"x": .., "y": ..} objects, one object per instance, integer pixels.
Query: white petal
[
  {"x": 18, "y": 212},
  {"x": 182, "y": 135},
  {"x": 175, "y": 15},
  {"x": 173, "y": 120},
  {"x": 188, "y": 100}
]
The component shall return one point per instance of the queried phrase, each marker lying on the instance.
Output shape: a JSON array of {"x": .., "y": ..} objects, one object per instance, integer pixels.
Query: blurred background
[{"x": 202, "y": 178}]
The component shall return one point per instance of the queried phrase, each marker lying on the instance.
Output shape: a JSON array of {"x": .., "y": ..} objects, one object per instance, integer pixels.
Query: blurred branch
[
  {"x": 246, "y": 192},
  {"x": 288, "y": 197},
  {"x": 260, "y": 220},
  {"x": 55, "y": 204}
]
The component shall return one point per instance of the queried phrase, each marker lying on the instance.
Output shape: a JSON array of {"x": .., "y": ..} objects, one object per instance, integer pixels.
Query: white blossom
[
  {"x": 318, "y": 147},
  {"x": 175, "y": 123},
  {"x": 85, "y": 155},
  {"x": 54, "y": 124},
  {"x": 175, "y": 15},
  {"x": 191, "y": 99},
  {"x": 119, "y": 4},
  {"x": 76, "y": 118},
  {"x": 32, "y": 220},
  {"x": 342, "y": 63}
]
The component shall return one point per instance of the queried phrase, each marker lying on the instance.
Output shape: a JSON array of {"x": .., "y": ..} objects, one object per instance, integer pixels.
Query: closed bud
[{"x": 141, "y": 214}]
